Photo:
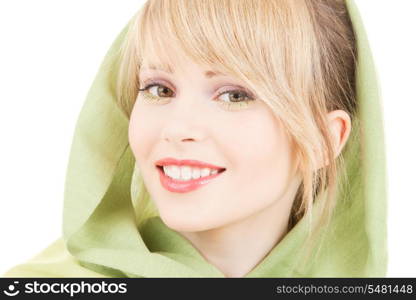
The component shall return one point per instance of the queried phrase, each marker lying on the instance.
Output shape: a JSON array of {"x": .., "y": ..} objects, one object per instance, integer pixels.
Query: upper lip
[{"x": 186, "y": 162}]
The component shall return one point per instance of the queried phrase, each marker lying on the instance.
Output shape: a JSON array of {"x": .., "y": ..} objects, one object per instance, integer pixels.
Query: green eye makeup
[{"x": 231, "y": 100}]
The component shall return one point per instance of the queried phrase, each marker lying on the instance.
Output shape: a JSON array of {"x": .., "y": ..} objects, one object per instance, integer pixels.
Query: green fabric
[{"x": 102, "y": 238}]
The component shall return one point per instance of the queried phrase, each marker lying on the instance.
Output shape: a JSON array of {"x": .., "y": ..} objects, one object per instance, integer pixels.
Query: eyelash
[{"x": 228, "y": 105}]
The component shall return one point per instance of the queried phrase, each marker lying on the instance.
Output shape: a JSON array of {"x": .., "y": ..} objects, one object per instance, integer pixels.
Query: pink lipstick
[{"x": 184, "y": 186}]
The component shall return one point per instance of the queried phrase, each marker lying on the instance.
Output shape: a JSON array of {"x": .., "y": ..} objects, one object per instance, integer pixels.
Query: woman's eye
[
  {"x": 234, "y": 96},
  {"x": 235, "y": 99},
  {"x": 158, "y": 90}
]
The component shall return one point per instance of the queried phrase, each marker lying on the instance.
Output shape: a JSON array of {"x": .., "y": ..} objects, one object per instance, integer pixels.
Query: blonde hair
[{"x": 298, "y": 57}]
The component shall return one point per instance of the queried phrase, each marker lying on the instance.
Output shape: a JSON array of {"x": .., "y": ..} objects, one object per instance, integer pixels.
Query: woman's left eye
[
  {"x": 235, "y": 96},
  {"x": 235, "y": 99}
]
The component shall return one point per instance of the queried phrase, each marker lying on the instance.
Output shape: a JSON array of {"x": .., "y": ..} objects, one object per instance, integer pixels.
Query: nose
[{"x": 184, "y": 122}]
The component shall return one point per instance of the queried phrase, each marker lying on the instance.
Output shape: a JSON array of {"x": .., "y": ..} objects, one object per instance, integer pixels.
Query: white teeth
[
  {"x": 186, "y": 172},
  {"x": 196, "y": 173},
  {"x": 166, "y": 170},
  {"x": 214, "y": 172},
  {"x": 172, "y": 171},
  {"x": 205, "y": 172}
]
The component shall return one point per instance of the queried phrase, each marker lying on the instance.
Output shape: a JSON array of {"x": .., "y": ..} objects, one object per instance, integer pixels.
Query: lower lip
[{"x": 179, "y": 186}]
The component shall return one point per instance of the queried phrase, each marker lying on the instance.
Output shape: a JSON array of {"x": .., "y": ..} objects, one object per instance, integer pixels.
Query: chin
[{"x": 186, "y": 223}]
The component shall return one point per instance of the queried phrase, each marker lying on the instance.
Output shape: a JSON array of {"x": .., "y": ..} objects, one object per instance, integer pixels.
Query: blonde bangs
[
  {"x": 249, "y": 40},
  {"x": 210, "y": 33}
]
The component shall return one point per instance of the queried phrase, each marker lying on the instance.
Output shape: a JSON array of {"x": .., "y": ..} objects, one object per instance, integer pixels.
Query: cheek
[
  {"x": 263, "y": 160},
  {"x": 140, "y": 134}
]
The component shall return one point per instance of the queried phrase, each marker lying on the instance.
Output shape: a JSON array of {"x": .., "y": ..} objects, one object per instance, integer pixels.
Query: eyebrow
[{"x": 168, "y": 69}]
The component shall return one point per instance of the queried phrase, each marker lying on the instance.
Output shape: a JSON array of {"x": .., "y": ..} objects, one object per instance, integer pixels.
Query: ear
[{"x": 339, "y": 124}]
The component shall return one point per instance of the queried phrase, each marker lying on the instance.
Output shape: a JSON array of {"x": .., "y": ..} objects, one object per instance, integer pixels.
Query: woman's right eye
[{"x": 158, "y": 90}]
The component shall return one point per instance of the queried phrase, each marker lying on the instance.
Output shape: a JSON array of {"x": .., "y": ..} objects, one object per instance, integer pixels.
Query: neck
[{"x": 236, "y": 248}]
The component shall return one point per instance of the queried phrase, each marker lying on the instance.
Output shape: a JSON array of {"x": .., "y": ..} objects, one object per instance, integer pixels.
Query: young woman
[{"x": 227, "y": 139}]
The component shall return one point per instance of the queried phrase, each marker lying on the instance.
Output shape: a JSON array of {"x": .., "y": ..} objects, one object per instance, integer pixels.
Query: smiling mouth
[
  {"x": 193, "y": 173},
  {"x": 179, "y": 185}
]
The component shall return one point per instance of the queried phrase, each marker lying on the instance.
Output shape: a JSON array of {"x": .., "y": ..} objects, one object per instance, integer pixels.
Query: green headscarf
[{"x": 103, "y": 238}]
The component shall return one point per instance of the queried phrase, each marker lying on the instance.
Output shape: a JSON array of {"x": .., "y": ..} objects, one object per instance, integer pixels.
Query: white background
[{"x": 50, "y": 52}]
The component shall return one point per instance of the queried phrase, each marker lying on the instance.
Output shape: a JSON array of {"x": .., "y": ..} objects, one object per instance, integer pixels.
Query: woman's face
[{"x": 195, "y": 115}]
